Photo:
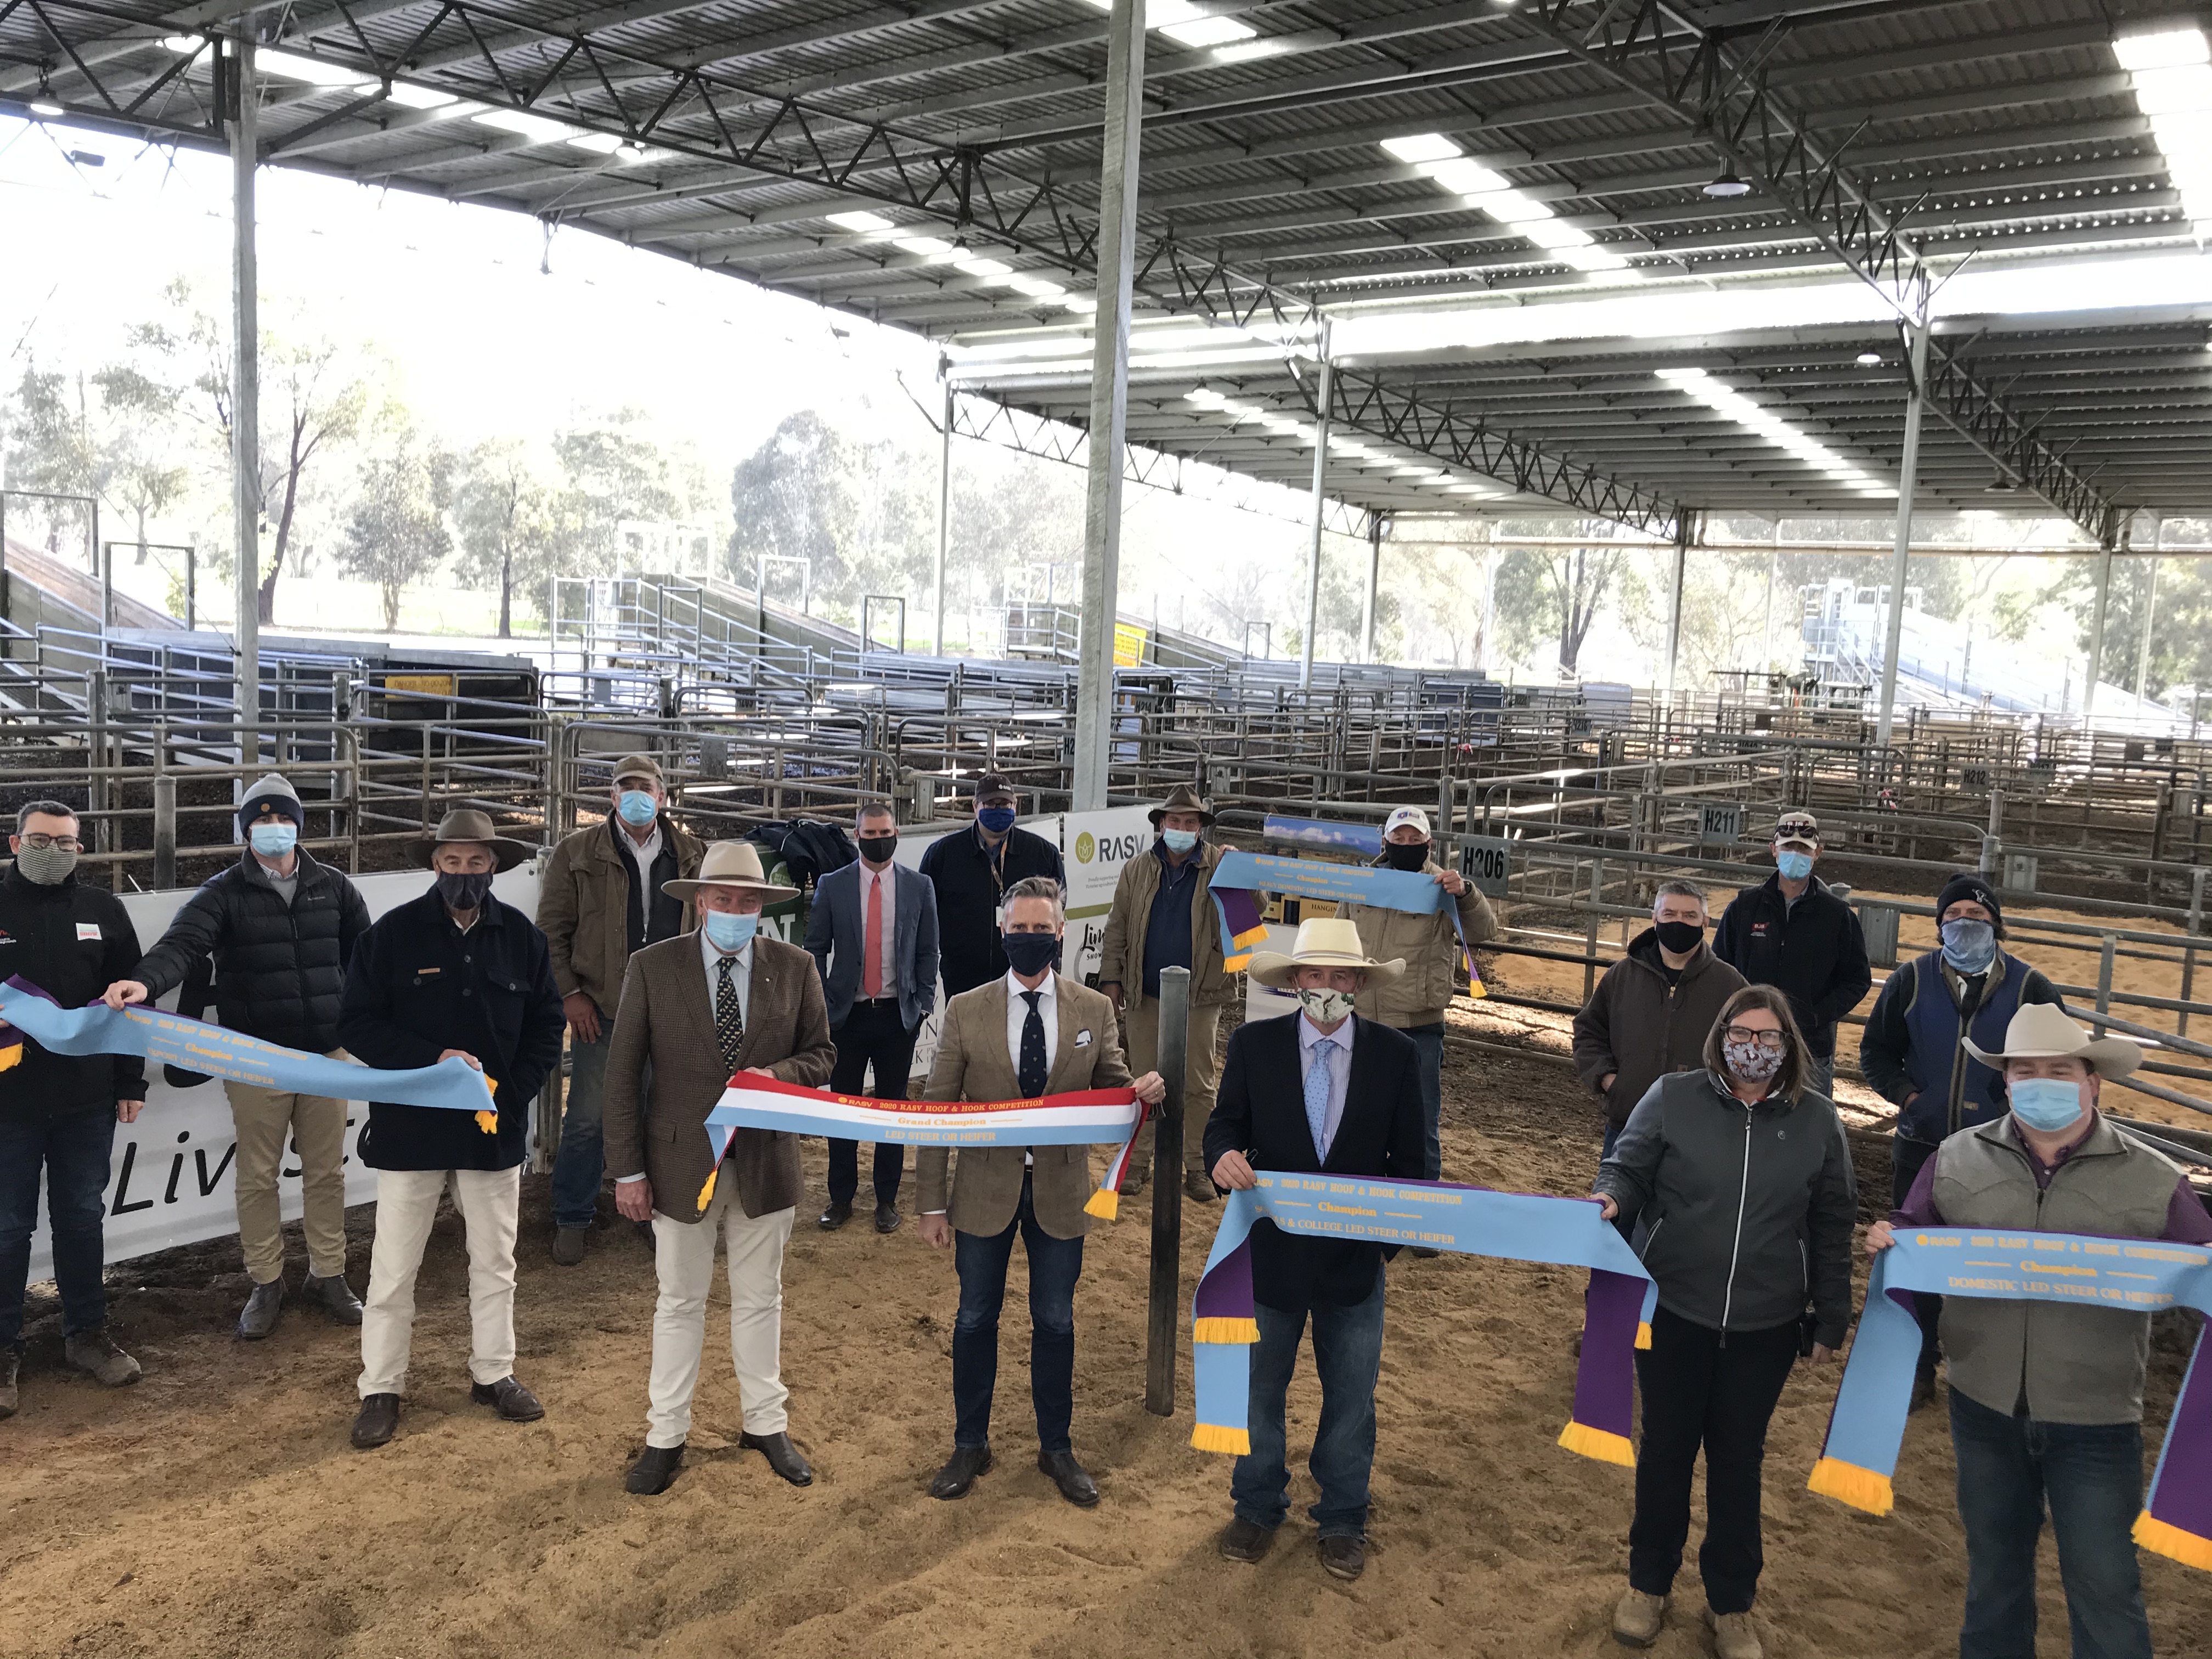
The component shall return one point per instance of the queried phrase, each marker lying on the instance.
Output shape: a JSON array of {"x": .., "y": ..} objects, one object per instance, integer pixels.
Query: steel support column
[
  {"x": 246, "y": 395},
  {"x": 2149, "y": 608},
  {"x": 1908, "y": 468},
  {"x": 1109, "y": 401},
  {"x": 943, "y": 511},
  {"x": 1320, "y": 505},
  {"x": 2101, "y": 607},
  {"x": 1374, "y": 580},
  {"x": 1686, "y": 526}
]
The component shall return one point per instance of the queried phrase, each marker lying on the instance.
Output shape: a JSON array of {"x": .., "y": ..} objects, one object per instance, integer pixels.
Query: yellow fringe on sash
[
  {"x": 706, "y": 1192},
  {"x": 1212, "y": 1437},
  {"x": 1476, "y": 989},
  {"x": 1224, "y": 1331},
  {"x": 1603, "y": 1445},
  {"x": 488, "y": 1123},
  {"x": 1643, "y": 1334},
  {"x": 8, "y": 1056},
  {"x": 1863, "y": 1489},
  {"x": 1251, "y": 936},
  {"x": 2165, "y": 1539},
  {"x": 1105, "y": 1204}
]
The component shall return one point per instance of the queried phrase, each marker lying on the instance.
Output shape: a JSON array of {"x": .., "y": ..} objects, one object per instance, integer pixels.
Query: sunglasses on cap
[{"x": 1796, "y": 828}]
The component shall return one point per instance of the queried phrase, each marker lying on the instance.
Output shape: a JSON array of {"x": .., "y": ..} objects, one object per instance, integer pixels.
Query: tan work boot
[
  {"x": 1732, "y": 1636},
  {"x": 1637, "y": 1618}
]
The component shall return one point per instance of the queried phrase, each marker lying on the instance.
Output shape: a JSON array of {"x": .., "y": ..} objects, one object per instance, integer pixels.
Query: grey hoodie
[{"x": 1744, "y": 1213}]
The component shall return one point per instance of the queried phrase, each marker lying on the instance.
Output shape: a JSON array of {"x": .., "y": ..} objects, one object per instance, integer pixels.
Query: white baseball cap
[{"x": 1405, "y": 815}]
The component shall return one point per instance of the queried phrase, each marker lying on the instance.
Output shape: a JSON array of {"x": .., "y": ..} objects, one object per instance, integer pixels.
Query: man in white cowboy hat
[
  {"x": 2046, "y": 1398},
  {"x": 1163, "y": 917},
  {"x": 694, "y": 1010},
  {"x": 1323, "y": 1089},
  {"x": 453, "y": 972}
]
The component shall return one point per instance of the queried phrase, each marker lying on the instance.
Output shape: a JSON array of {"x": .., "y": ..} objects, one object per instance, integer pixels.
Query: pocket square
[{"x": 1083, "y": 1039}]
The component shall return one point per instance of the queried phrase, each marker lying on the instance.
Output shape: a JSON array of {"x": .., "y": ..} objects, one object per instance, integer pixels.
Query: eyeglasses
[
  {"x": 1773, "y": 1042},
  {"x": 66, "y": 843}
]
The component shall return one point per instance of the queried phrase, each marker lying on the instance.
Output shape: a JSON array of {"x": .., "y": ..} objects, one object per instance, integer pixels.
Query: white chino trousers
[
  {"x": 490, "y": 1203},
  {"x": 684, "y": 1259}
]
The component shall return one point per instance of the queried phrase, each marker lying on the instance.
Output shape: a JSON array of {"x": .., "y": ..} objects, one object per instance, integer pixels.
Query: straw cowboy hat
[
  {"x": 2041, "y": 1031},
  {"x": 1183, "y": 798},
  {"x": 466, "y": 823},
  {"x": 1324, "y": 942},
  {"x": 728, "y": 864}
]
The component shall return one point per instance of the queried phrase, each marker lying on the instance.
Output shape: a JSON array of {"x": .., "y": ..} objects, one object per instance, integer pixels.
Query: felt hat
[
  {"x": 2041, "y": 1031},
  {"x": 466, "y": 823},
  {"x": 1324, "y": 942},
  {"x": 1183, "y": 798},
  {"x": 733, "y": 864}
]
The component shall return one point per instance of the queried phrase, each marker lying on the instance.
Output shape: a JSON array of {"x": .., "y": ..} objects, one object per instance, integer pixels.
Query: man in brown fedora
[
  {"x": 1164, "y": 917},
  {"x": 603, "y": 899},
  {"x": 694, "y": 1012},
  {"x": 452, "y": 973}
]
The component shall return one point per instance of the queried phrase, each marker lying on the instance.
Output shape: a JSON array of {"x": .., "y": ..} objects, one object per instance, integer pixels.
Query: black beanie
[{"x": 1969, "y": 884}]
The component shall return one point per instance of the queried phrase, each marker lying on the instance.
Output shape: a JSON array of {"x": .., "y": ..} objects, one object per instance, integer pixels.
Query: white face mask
[{"x": 1324, "y": 1007}]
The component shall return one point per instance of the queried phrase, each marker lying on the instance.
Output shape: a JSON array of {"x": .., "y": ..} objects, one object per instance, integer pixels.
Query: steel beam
[{"x": 246, "y": 393}]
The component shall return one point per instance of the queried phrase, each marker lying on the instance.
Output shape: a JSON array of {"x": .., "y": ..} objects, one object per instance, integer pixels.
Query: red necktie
[{"x": 872, "y": 947}]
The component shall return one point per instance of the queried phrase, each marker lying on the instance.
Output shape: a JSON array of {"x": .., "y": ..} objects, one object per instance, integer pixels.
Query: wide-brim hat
[
  {"x": 466, "y": 823},
  {"x": 728, "y": 864},
  {"x": 1324, "y": 942},
  {"x": 2041, "y": 1030},
  {"x": 1183, "y": 798}
]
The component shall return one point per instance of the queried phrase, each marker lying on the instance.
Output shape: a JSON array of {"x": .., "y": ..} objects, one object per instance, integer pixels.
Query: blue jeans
[
  {"x": 1054, "y": 1266},
  {"x": 581, "y": 1165},
  {"x": 1821, "y": 1075},
  {"x": 73, "y": 1151},
  {"x": 1347, "y": 1343},
  {"x": 2092, "y": 1476},
  {"x": 1612, "y": 1134},
  {"x": 1429, "y": 1046}
]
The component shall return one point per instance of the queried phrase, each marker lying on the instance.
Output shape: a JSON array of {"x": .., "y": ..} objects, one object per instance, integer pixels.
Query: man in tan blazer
[
  {"x": 694, "y": 1010},
  {"x": 1031, "y": 1033}
]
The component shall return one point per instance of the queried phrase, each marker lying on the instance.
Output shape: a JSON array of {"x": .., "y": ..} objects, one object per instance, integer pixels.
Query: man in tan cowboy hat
[
  {"x": 2046, "y": 1398},
  {"x": 1163, "y": 917},
  {"x": 1322, "y": 1089},
  {"x": 605, "y": 897},
  {"x": 453, "y": 972},
  {"x": 694, "y": 1011}
]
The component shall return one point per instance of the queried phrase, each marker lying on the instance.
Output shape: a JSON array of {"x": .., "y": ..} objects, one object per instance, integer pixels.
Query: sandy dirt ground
[{"x": 216, "y": 1509}]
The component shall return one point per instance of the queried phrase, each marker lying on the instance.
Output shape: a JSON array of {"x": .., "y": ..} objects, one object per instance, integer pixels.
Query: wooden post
[{"x": 1166, "y": 1310}]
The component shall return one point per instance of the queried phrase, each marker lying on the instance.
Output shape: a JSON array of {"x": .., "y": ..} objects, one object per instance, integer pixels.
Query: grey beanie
[{"x": 272, "y": 791}]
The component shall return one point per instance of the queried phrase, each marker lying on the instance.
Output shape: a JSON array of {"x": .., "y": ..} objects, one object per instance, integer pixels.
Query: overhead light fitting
[
  {"x": 1869, "y": 360},
  {"x": 2003, "y": 484},
  {"x": 1725, "y": 183},
  {"x": 47, "y": 108}
]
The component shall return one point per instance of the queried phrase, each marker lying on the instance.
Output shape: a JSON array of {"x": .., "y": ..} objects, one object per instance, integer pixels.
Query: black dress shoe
[
  {"x": 378, "y": 1422},
  {"x": 960, "y": 1471},
  {"x": 654, "y": 1472},
  {"x": 887, "y": 1217},
  {"x": 258, "y": 1317},
  {"x": 839, "y": 1212},
  {"x": 782, "y": 1457},
  {"x": 1343, "y": 1558},
  {"x": 1074, "y": 1482},
  {"x": 334, "y": 1296},
  {"x": 1243, "y": 1540},
  {"x": 516, "y": 1403},
  {"x": 571, "y": 1244}
]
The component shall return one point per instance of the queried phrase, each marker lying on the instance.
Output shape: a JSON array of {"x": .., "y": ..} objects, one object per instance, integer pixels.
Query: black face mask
[
  {"x": 462, "y": 892},
  {"x": 1679, "y": 937},
  {"x": 877, "y": 849},
  {"x": 1405, "y": 855},
  {"x": 1031, "y": 953}
]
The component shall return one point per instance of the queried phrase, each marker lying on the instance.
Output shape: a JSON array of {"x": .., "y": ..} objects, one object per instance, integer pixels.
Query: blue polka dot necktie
[
  {"x": 1034, "y": 1072},
  {"x": 1317, "y": 1082},
  {"x": 729, "y": 1019}
]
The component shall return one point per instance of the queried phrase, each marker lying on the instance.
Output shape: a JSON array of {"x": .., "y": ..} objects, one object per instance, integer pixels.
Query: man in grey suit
[
  {"x": 873, "y": 933},
  {"x": 1030, "y": 1033}
]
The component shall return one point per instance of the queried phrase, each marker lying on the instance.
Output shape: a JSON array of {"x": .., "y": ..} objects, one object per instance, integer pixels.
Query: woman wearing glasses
[{"x": 1738, "y": 1180}]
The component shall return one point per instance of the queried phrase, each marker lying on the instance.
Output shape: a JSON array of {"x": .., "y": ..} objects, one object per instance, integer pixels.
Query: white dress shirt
[
  {"x": 1339, "y": 1071},
  {"x": 741, "y": 977},
  {"x": 643, "y": 852},
  {"x": 886, "y": 879}
]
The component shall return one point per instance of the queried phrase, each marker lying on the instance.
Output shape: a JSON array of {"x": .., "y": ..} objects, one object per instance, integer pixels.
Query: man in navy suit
[
  {"x": 1321, "y": 1090},
  {"x": 873, "y": 933}
]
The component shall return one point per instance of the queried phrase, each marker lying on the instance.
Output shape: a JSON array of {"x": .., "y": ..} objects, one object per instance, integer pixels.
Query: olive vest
[{"x": 2070, "y": 1365}]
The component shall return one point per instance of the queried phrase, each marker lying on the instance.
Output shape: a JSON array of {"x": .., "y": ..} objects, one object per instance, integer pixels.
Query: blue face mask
[
  {"x": 726, "y": 930},
  {"x": 637, "y": 808},
  {"x": 1180, "y": 840},
  {"x": 1793, "y": 866},
  {"x": 1969, "y": 946},
  {"x": 2048, "y": 1103},
  {"x": 997, "y": 819},
  {"x": 273, "y": 840}
]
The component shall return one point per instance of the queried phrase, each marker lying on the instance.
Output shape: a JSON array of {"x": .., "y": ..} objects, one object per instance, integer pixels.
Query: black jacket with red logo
[
  {"x": 72, "y": 942},
  {"x": 1812, "y": 951}
]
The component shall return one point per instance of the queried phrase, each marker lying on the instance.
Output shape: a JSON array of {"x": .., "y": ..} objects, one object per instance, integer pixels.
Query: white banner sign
[{"x": 170, "y": 1179}]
